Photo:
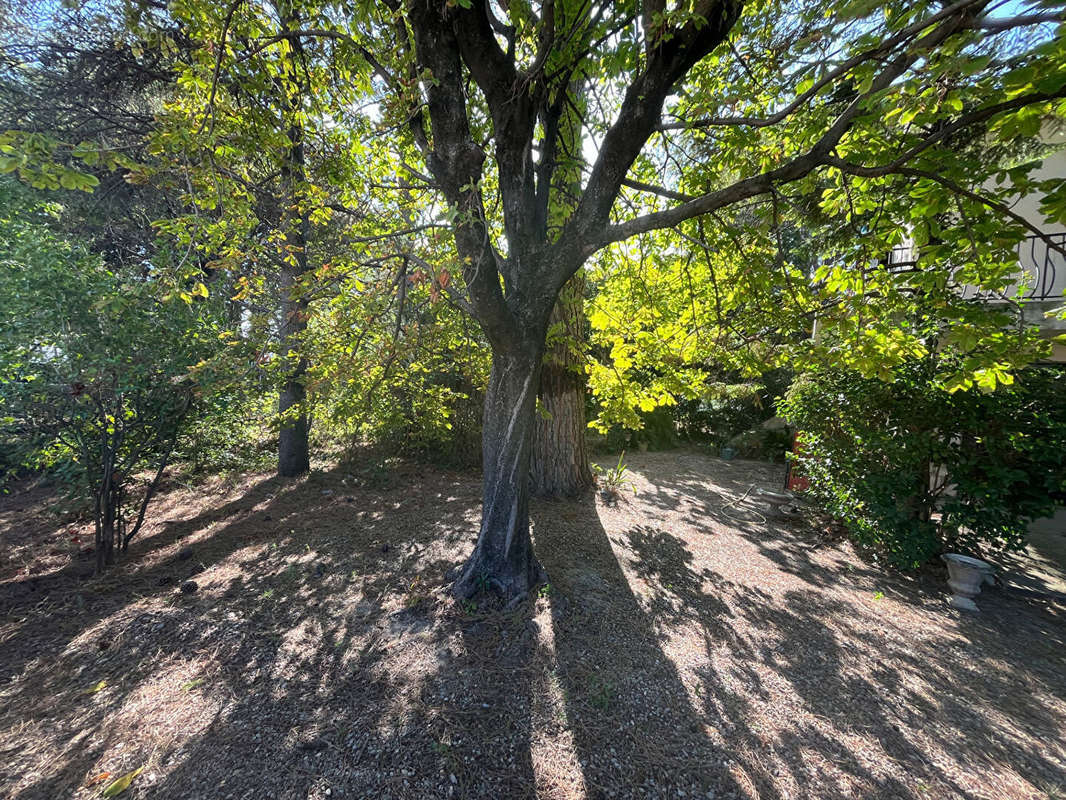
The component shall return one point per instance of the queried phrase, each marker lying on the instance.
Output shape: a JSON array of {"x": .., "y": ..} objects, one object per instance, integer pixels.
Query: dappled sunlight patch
[
  {"x": 673, "y": 649},
  {"x": 553, "y": 750},
  {"x": 135, "y": 701},
  {"x": 111, "y": 630},
  {"x": 177, "y": 704},
  {"x": 815, "y": 671}
]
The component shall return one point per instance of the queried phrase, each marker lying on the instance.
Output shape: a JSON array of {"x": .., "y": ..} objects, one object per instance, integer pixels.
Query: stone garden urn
[
  {"x": 965, "y": 576},
  {"x": 782, "y": 503}
]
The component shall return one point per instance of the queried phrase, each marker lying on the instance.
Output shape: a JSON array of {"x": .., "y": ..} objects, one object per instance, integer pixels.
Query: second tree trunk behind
[{"x": 559, "y": 466}]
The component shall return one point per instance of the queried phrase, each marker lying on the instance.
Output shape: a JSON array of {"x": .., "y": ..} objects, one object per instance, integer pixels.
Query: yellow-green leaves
[
  {"x": 117, "y": 787},
  {"x": 39, "y": 160}
]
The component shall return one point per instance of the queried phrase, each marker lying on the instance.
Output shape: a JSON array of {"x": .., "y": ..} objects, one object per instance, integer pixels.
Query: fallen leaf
[
  {"x": 122, "y": 784},
  {"x": 103, "y": 776},
  {"x": 97, "y": 687}
]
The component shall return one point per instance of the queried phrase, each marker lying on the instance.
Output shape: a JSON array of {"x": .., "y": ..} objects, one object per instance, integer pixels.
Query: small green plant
[
  {"x": 613, "y": 479},
  {"x": 469, "y": 607},
  {"x": 545, "y": 591},
  {"x": 415, "y": 593},
  {"x": 442, "y": 748},
  {"x": 600, "y": 692}
]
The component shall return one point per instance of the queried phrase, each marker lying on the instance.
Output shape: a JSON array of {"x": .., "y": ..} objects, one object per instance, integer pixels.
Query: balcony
[{"x": 1044, "y": 269}]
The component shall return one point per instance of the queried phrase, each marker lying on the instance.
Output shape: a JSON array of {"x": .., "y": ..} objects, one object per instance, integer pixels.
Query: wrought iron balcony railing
[{"x": 1042, "y": 265}]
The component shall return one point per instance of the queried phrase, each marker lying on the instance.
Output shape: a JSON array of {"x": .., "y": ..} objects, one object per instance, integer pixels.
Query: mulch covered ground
[{"x": 691, "y": 644}]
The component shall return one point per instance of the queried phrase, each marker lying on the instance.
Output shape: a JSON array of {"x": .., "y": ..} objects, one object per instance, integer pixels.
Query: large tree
[
  {"x": 770, "y": 96},
  {"x": 704, "y": 121}
]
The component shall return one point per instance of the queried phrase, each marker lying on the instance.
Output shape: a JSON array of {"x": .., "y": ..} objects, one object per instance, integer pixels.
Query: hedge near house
[{"x": 914, "y": 470}]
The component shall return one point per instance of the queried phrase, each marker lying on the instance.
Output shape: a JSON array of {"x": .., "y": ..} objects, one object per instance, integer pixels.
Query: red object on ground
[{"x": 794, "y": 481}]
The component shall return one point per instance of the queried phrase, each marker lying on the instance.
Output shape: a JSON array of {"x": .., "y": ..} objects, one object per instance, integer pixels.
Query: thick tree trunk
[
  {"x": 503, "y": 558},
  {"x": 560, "y": 465}
]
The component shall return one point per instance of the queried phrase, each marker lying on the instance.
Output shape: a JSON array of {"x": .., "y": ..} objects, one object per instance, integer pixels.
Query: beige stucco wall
[{"x": 1054, "y": 166}]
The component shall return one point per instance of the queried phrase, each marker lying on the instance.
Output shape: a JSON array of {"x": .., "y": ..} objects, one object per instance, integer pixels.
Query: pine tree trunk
[
  {"x": 559, "y": 466},
  {"x": 503, "y": 558}
]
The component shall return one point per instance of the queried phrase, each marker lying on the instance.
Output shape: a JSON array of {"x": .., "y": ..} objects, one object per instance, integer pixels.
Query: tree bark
[
  {"x": 559, "y": 465},
  {"x": 293, "y": 446},
  {"x": 503, "y": 558}
]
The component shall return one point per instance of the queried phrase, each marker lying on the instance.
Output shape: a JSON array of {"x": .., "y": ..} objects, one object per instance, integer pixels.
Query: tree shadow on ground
[
  {"x": 321, "y": 657},
  {"x": 635, "y": 730},
  {"x": 287, "y": 652},
  {"x": 852, "y": 694},
  {"x": 714, "y": 496}
]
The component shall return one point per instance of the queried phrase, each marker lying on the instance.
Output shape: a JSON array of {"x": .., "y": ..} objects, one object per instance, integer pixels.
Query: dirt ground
[{"x": 691, "y": 644}]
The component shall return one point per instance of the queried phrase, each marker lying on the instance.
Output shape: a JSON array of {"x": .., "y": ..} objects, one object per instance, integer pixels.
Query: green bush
[
  {"x": 914, "y": 470},
  {"x": 732, "y": 406},
  {"x": 95, "y": 371},
  {"x": 229, "y": 430}
]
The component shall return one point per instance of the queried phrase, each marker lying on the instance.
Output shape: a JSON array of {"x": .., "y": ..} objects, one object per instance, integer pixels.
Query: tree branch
[
  {"x": 879, "y": 51},
  {"x": 950, "y": 185},
  {"x": 456, "y": 162},
  {"x": 671, "y": 58},
  {"x": 798, "y": 167}
]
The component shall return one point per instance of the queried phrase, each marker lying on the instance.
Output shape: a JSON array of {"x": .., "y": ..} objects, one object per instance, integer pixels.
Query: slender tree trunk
[
  {"x": 503, "y": 558},
  {"x": 293, "y": 446},
  {"x": 106, "y": 511},
  {"x": 560, "y": 465}
]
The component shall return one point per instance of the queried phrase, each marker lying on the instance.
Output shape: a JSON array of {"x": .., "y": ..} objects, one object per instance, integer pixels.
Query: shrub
[
  {"x": 94, "y": 372},
  {"x": 733, "y": 406},
  {"x": 914, "y": 470}
]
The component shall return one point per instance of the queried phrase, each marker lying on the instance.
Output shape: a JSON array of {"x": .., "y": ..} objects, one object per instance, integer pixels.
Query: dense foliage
[
  {"x": 97, "y": 373},
  {"x": 914, "y": 469}
]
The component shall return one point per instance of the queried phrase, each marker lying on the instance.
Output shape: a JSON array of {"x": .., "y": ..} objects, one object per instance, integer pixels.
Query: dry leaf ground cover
[{"x": 689, "y": 645}]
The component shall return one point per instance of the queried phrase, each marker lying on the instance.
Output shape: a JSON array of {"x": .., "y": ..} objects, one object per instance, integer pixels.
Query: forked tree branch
[{"x": 798, "y": 167}]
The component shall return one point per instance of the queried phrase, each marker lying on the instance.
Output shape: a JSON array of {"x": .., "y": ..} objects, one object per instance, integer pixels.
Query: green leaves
[
  {"x": 72, "y": 179},
  {"x": 881, "y": 454},
  {"x": 88, "y": 355},
  {"x": 38, "y": 159},
  {"x": 117, "y": 787}
]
